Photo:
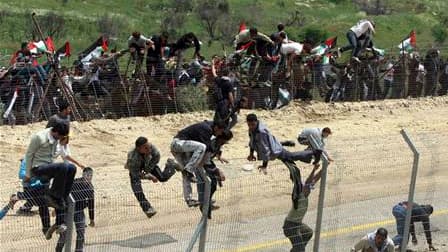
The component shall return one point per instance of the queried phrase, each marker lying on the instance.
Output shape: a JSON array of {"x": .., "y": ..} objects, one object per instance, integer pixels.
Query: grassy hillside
[{"x": 84, "y": 21}]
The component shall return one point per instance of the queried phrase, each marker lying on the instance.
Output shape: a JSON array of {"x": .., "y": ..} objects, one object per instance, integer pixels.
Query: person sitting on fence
[
  {"x": 23, "y": 68},
  {"x": 293, "y": 228},
  {"x": 142, "y": 163},
  {"x": 155, "y": 56},
  {"x": 377, "y": 241},
  {"x": 213, "y": 172},
  {"x": 247, "y": 36},
  {"x": 268, "y": 148},
  {"x": 359, "y": 36},
  {"x": 292, "y": 51},
  {"x": 12, "y": 201},
  {"x": 189, "y": 147},
  {"x": 420, "y": 213},
  {"x": 319, "y": 134},
  {"x": 84, "y": 196},
  {"x": 137, "y": 44}
]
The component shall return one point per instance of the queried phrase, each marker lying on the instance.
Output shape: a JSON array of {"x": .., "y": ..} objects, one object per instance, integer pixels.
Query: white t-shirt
[
  {"x": 293, "y": 47},
  {"x": 62, "y": 150},
  {"x": 362, "y": 27}
]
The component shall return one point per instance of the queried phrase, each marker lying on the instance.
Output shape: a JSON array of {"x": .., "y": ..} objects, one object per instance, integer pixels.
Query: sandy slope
[{"x": 366, "y": 145}]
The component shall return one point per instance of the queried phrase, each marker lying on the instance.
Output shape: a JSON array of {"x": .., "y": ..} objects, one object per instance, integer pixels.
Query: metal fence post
[
  {"x": 69, "y": 222},
  {"x": 201, "y": 228},
  {"x": 323, "y": 182},
  {"x": 404, "y": 242}
]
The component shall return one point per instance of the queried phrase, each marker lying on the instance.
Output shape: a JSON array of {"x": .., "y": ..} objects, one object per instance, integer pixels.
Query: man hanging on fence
[
  {"x": 319, "y": 134},
  {"x": 377, "y": 241},
  {"x": 142, "y": 163},
  {"x": 294, "y": 229},
  {"x": 420, "y": 213},
  {"x": 84, "y": 195},
  {"x": 137, "y": 44},
  {"x": 268, "y": 148},
  {"x": 155, "y": 56},
  {"x": 189, "y": 147},
  {"x": 213, "y": 172}
]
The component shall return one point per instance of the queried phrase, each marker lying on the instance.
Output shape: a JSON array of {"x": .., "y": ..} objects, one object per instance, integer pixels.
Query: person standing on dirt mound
[
  {"x": 420, "y": 213},
  {"x": 375, "y": 242},
  {"x": 142, "y": 163},
  {"x": 359, "y": 36},
  {"x": 268, "y": 148},
  {"x": 293, "y": 228},
  {"x": 319, "y": 134}
]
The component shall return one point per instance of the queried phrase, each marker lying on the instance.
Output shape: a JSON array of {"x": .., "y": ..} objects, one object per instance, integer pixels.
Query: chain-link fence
[{"x": 370, "y": 176}]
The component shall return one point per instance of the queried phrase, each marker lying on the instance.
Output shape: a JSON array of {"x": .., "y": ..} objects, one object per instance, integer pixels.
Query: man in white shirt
[
  {"x": 375, "y": 242},
  {"x": 359, "y": 37},
  {"x": 319, "y": 134}
]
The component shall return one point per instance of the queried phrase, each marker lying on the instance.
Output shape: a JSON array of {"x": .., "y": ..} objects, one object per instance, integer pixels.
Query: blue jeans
[{"x": 399, "y": 213}]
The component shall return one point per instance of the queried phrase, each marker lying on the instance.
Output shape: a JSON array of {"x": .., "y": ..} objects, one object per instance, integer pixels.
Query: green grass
[{"x": 81, "y": 20}]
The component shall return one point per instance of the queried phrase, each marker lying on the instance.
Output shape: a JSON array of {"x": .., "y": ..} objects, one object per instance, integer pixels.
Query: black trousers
[
  {"x": 136, "y": 185},
  {"x": 298, "y": 233}
]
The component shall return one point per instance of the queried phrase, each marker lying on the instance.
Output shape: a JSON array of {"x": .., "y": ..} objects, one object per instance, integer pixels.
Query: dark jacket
[
  {"x": 84, "y": 195},
  {"x": 200, "y": 132}
]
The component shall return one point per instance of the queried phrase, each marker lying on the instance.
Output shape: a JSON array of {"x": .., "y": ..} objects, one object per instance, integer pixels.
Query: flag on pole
[
  {"x": 242, "y": 26},
  {"x": 64, "y": 51},
  {"x": 331, "y": 42},
  {"x": 94, "y": 50},
  {"x": 49, "y": 43},
  {"x": 409, "y": 44},
  {"x": 37, "y": 47}
]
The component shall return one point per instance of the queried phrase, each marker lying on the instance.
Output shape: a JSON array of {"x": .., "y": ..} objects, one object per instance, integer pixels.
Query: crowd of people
[
  {"x": 267, "y": 70},
  {"x": 270, "y": 60}
]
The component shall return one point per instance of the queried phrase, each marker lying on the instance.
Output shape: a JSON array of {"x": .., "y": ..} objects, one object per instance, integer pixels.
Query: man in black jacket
[
  {"x": 420, "y": 213},
  {"x": 189, "y": 147}
]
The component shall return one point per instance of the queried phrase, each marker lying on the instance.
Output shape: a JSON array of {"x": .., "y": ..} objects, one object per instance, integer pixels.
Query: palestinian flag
[
  {"x": 331, "y": 42},
  {"x": 409, "y": 44},
  {"x": 100, "y": 42},
  {"x": 64, "y": 51},
  {"x": 49, "y": 43},
  {"x": 37, "y": 47},
  {"x": 242, "y": 26}
]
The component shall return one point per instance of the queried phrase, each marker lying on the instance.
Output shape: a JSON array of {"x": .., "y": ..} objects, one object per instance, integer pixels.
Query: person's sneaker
[
  {"x": 215, "y": 207},
  {"x": 172, "y": 163},
  {"x": 54, "y": 202},
  {"x": 55, "y": 228},
  {"x": 150, "y": 212},
  {"x": 193, "y": 203},
  {"x": 24, "y": 211}
]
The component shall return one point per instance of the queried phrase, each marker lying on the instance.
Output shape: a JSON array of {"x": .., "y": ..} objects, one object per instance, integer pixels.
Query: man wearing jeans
[
  {"x": 359, "y": 37},
  {"x": 39, "y": 165},
  {"x": 420, "y": 213},
  {"x": 189, "y": 147},
  {"x": 142, "y": 163}
]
